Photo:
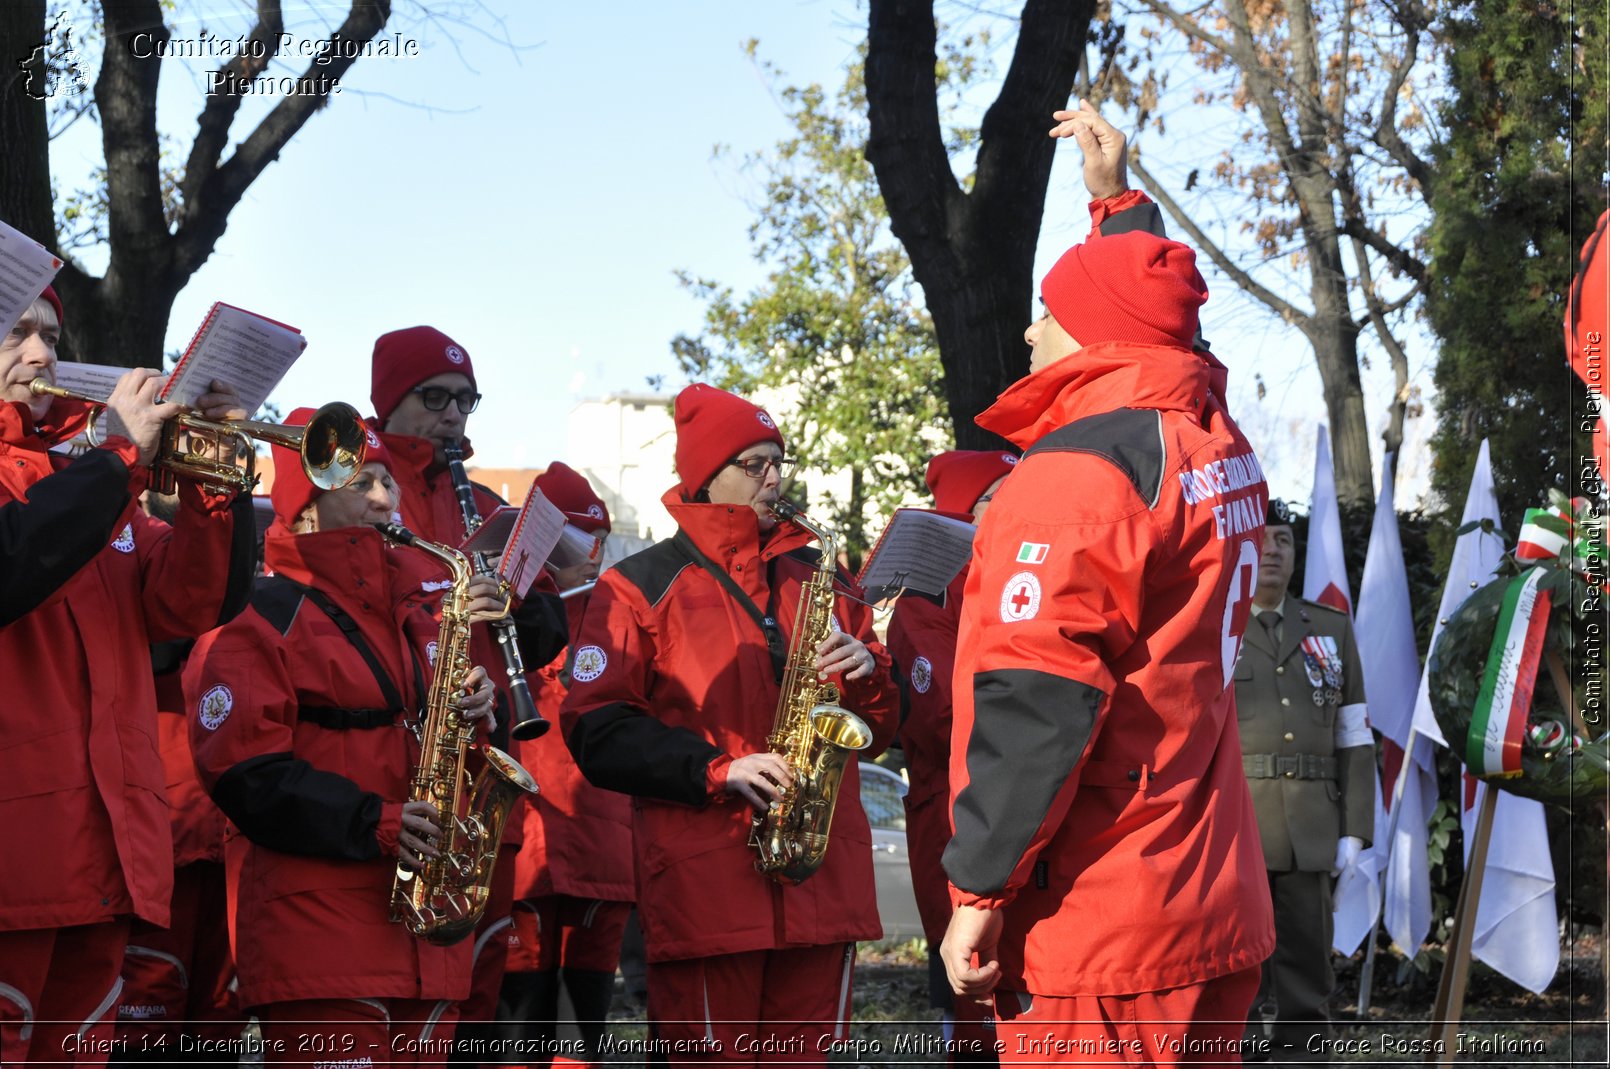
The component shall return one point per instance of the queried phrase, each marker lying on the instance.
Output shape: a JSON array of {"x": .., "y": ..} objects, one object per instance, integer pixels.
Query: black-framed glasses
[
  {"x": 435, "y": 398},
  {"x": 755, "y": 467}
]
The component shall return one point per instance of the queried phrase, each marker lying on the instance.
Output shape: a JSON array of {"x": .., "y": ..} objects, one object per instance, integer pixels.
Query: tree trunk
[
  {"x": 972, "y": 252},
  {"x": 24, "y": 185}
]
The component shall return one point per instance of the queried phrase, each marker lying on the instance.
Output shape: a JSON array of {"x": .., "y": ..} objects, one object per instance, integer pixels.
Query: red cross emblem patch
[{"x": 1020, "y": 599}]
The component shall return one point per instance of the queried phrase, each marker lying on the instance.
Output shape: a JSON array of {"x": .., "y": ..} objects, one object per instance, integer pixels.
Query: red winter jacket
[
  {"x": 198, "y": 824},
  {"x": 671, "y": 681},
  {"x": 319, "y": 805},
  {"x": 81, "y": 782},
  {"x": 922, "y": 640},
  {"x": 578, "y": 838},
  {"x": 1098, "y": 792}
]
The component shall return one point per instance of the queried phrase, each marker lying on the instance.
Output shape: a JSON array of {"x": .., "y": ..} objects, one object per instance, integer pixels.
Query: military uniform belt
[{"x": 1288, "y": 766}]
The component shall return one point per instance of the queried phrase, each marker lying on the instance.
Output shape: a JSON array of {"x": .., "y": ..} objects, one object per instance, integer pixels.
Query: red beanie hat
[
  {"x": 1134, "y": 287},
  {"x": 712, "y": 427},
  {"x": 960, "y": 477},
  {"x": 405, "y": 358},
  {"x": 50, "y": 297},
  {"x": 293, "y": 491},
  {"x": 573, "y": 495}
]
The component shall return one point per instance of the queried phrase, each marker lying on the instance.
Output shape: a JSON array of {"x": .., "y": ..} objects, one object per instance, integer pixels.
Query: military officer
[{"x": 1308, "y": 754}]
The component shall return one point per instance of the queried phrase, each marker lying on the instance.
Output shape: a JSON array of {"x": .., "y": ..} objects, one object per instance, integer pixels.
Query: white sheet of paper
[
  {"x": 26, "y": 268},
  {"x": 521, "y": 539},
  {"x": 241, "y": 348},
  {"x": 575, "y": 546},
  {"x": 921, "y": 550},
  {"x": 96, "y": 380}
]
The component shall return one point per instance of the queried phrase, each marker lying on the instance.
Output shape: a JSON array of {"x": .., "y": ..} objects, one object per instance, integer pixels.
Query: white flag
[
  {"x": 1324, "y": 568},
  {"x": 1356, "y": 897},
  {"x": 1517, "y": 930},
  {"x": 1391, "y": 676},
  {"x": 1475, "y": 558}
]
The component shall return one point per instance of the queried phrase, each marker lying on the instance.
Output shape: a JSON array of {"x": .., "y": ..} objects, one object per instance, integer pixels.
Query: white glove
[{"x": 1347, "y": 851}]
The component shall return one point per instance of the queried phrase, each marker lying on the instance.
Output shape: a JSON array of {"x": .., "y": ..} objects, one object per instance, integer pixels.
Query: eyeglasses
[
  {"x": 755, "y": 467},
  {"x": 435, "y": 398}
]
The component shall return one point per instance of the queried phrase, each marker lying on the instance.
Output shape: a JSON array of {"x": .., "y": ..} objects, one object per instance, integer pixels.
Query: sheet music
[
  {"x": 521, "y": 538},
  {"x": 242, "y": 348},
  {"x": 96, "y": 380},
  {"x": 575, "y": 546},
  {"x": 26, "y": 268},
  {"x": 920, "y": 550}
]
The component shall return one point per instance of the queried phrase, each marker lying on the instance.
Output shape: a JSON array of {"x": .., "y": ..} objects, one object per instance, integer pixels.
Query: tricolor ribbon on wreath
[{"x": 1498, "y": 723}]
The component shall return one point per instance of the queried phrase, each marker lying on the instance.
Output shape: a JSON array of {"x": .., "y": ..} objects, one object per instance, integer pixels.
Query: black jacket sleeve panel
[
  {"x": 623, "y": 749},
  {"x": 242, "y": 559},
  {"x": 543, "y": 628},
  {"x": 1030, "y": 731},
  {"x": 1148, "y": 218},
  {"x": 286, "y": 804},
  {"x": 1145, "y": 217},
  {"x": 67, "y": 519}
]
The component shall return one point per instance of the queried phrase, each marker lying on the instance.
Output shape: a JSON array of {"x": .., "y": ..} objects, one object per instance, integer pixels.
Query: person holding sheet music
[
  {"x": 1109, "y": 887},
  {"x": 675, "y": 681},
  {"x": 573, "y": 882},
  {"x": 81, "y": 781},
  {"x": 301, "y": 712},
  {"x": 922, "y": 639},
  {"x": 423, "y": 388}
]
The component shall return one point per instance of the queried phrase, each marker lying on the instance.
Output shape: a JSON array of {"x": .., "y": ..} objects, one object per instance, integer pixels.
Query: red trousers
[
  {"x": 761, "y": 1007},
  {"x": 176, "y": 980},
  {"x": 561, "y": 932},
  {"x": 491, "y": 943},
  {"x": 1198, "y": 1024},
  {"x": 357, "y": 1033},
  {"x": 58, "y": 993}
]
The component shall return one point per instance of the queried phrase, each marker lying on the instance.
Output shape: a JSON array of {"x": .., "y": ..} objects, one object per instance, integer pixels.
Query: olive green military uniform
[{"x": 1309, "y": 758}]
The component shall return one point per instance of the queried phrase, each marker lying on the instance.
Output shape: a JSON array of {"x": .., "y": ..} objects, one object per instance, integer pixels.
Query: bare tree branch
[
  {"x": 126, "y": 96},
  {"x": 1287, "y": 311},
  {"x": 1189, "y": 27},
  {"x": 207, "y": 210},
  {"x": 1392, "y": 435},
  {"x": 1410, "y": 16},
  {"x": 212, "y": 128}
]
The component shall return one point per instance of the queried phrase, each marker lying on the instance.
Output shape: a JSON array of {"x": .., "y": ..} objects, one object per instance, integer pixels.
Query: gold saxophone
[
  {"x": 812, "y": 732},
  {"x": 443, "y": 901}
]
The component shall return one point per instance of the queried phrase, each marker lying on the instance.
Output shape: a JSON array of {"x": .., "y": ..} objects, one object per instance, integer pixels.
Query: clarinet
[{"x": 528, "y": 722}]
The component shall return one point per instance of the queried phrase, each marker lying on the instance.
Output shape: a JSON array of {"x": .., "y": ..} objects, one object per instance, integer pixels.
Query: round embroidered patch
[
  {"x": 922, "y": 675},
  {"x": 589, "y": 665},
  {"x": 596, "y": 511},
  {"x": 430, "y": 649},
  {"x": 124, "y": 542},
  {"x": 455, "y": 354},
  {"x": 215, "y": 706},
  {"x": 765, "y": 420},
  {"x": 1009, "y": 458},
  {"x": 1020, "y": 600},
  {"x": 369, "y": 436}
]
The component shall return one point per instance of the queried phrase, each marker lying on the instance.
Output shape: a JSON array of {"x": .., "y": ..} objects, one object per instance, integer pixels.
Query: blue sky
[{"x": 534, "y": 202}]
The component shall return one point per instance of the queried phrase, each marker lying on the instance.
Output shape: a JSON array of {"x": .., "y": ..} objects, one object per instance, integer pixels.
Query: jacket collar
[
  {"x": 1100, "y": 378},
  {"x": 62, "y": 421},
  {"x": 416, "y": 457},
  {"x": 725, "y": 533},
  {"x": 334, "y": 561}
]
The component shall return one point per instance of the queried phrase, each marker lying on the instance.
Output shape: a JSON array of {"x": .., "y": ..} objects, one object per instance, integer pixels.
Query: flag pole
[
  {"x": 1366, "y": 976},
  {"x": 1450, "y": 1004}
]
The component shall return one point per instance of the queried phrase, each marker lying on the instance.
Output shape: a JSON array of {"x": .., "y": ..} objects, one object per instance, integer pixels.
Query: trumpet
[{"x": 332, "y": 446}]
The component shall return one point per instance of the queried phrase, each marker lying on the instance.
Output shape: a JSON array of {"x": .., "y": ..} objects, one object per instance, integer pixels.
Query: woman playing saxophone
[
  {"x": 676, "y": 678},
  {"x": 300, "y": 724}
]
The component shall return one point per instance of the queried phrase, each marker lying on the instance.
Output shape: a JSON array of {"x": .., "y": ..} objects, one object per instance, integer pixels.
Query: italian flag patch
[{"x": 1032, "y": 552}]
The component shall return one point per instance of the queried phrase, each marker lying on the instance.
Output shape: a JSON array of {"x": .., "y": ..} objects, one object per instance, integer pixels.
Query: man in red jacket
[
  {"x": 674, "y": 688},
  {"x": 423, "y": 387},
  {"x": 1105, "y": 864},
  {"x": 81, "y": 782},
  {"x": 922, "y": 640}
]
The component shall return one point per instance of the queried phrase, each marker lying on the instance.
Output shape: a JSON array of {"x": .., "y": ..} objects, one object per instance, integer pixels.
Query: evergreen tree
[{"x": 1520, "y": 184}]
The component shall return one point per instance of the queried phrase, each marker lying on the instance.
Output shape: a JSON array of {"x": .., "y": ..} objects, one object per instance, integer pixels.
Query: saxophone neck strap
[
  {"x": 767, "y": 623},
  {"x": 349, "y": 627}
]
